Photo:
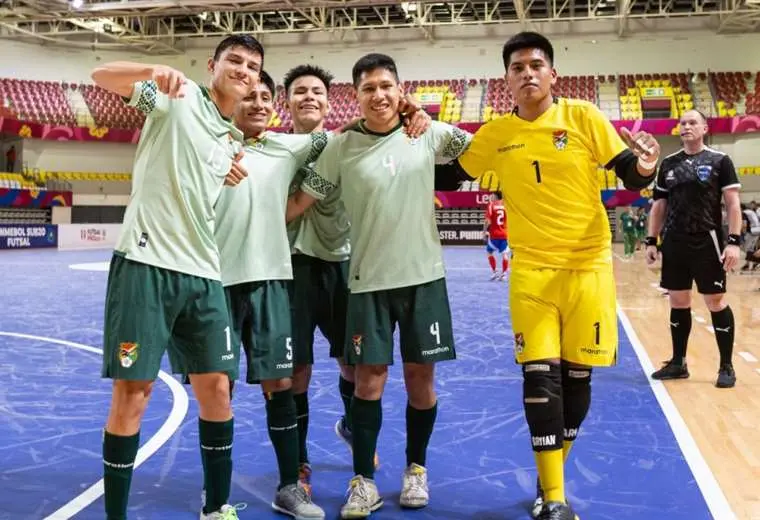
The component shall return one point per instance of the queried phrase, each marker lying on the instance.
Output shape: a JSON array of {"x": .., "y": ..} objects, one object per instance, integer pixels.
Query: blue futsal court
[{"x": 627, "y": 463}]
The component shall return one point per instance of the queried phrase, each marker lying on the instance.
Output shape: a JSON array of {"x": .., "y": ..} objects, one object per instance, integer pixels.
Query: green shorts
[
  {"x": 319, "y": 296},
  {"x": 423, "y": 316},
  {"x": 260, "y": 317},
  {"x": 149, "y": 309}
]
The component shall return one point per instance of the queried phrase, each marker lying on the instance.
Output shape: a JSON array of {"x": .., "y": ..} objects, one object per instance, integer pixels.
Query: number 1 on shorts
[
  {"x": 596, "y": 333},
  {"x": 227, "y": 338}
]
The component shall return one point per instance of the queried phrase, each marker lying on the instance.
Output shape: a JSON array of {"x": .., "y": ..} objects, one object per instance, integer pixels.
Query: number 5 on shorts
[{"x": 289, "y": 348}]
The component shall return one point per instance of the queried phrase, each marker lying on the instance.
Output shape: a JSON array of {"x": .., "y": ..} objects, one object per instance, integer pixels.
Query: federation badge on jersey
[
  {"x": 128, "y": 354},
  {"x": 519, "y": 343},
  {"x": 357, "y": 340},
  {"x": 703, "y": 172},
  {"x": 560, "y": 139}
]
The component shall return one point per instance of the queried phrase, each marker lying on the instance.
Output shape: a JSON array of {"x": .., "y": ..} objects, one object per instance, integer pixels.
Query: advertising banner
[
  {"x": 27, "y": 236},
  {"x": 461, "y": 234},
  {"x": 88, "y": 236},
  {"x": 15, "y": 198},
  {"x": 462, "y": 199}
]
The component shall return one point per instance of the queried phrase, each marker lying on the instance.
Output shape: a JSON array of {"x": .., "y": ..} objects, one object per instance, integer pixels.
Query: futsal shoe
[
  {"x": 414, "y": 487},
  {"x": 672, "y": 370},
  {"x": 227, "y": 512},
  {"x": 363, "y": 498},
  {"x": 556, "y": 511},
  {"x": 726, "y": 376},
  {"x": 494, "y": 276},
  {"x": 342, "y": 431},
  {"x": 293, "y": 500},
  {"x": 538, "y": 503}
]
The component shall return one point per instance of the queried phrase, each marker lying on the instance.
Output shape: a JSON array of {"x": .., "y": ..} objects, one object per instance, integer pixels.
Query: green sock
[
  {"x": 302, "y": 415},
  {"x": 119, "y": 454},
  {"x": 346, "y": 389},
  {"x": 367, "y": 417},
  {"x": 283, "y": 432},
  {"x": 419, "y": 428},
  {"x": 216, "y": 447}
]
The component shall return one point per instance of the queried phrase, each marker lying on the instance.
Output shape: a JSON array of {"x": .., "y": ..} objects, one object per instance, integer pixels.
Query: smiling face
[
  {"x": 255, "y": 111},
  {"x": 530, "y": 76},
  {"x": 235, "y": 72},
  {"x": 307, "y": 102},
  {"x": 379, "y": 94}
]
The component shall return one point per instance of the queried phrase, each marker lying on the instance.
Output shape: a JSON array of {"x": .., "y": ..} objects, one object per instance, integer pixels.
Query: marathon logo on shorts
[
  {"x": 128, "y": 354},
  {"x": 357, "y": 340},
  {"x": 560, "y": 139}
]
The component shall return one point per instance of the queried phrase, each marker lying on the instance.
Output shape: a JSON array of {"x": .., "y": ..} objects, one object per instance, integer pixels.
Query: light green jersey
[
  {"x": 251, "y": 230},
  {"x": 387, "y": 186},
  {"x": 185, "y": 150},
  {"x": 322, "y": 231}
]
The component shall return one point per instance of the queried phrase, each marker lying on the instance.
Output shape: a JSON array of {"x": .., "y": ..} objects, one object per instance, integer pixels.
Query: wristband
[
  {"x": 733, "y": 240},
  {"x": 647, "y": 165},
  {"x": 650, "y": 241}
]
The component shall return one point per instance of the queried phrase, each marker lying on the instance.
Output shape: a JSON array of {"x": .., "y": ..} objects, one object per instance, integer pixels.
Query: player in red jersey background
[{"x": 496, "y": 235}]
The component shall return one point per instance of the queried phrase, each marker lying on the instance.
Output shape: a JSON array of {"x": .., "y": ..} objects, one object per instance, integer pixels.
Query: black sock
[
  {"x": 302, "y": 415},
  {"x": 119, "y": 454},
  {"x": 283, "y": 432},
  {"x": 346, "y": 389},
  {"x": 216, "y": 447},
  {"x": 419, "y": 428},
  {"x": 680, "y": 328},
  {"x": 367, "y": 418},
  {"x": 723, "y": 323}
]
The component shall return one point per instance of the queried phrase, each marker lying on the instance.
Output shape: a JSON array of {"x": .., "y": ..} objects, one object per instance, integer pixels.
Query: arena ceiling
[{"x": 161, "y": 26}]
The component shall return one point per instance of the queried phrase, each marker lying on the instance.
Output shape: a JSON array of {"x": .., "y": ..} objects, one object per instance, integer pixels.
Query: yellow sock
[
  {"x": 566, "y": 445},
  {"x": 552, "y": 475}
]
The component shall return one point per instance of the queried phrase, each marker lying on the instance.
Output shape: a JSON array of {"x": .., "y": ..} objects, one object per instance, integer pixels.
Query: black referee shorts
[{"x": 688, "y": 258}]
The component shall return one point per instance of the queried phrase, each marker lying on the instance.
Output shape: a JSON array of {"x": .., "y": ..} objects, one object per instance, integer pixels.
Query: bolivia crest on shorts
[
  {"x": 560, "y": 139},
  {"x": 128, "y": 354},
  {"x": 357, "y": 340}
]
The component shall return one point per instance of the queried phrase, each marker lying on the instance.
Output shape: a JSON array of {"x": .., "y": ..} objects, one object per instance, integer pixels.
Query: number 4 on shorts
[{"x": 435, "y": 330}]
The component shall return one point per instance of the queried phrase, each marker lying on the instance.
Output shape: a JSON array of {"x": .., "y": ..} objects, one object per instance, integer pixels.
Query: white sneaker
[
  {"x": 363, "y": 498},
  {"x": 414, "y": 487},
  {"x": 226, "y": 512}
]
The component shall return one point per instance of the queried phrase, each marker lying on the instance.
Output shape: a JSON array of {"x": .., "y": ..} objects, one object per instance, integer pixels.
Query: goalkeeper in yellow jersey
[{"x": 562, "y": 294}]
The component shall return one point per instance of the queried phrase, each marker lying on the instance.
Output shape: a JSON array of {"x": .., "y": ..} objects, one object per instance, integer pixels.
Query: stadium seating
[
  {"x": 42, "y": 176},
  {"x": 459, "y": 99},
  {"x": 16, "y": 181},
  {"x": 24, "y": 216}
]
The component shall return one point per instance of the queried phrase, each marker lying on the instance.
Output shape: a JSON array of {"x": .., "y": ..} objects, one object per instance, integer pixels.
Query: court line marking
[
  {"x": 748, "y": 357},
  {"x": 708, "y": 484},
  {"x": 180, "y": 402}
]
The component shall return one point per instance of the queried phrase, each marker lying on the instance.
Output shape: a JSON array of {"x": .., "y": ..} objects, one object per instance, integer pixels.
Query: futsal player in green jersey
[
  {"x": 628, "y": 224},
  {"x": 164, "y": 284},
  {"x": 396, "y": 273},
  {"x": 256, "y": 273}
]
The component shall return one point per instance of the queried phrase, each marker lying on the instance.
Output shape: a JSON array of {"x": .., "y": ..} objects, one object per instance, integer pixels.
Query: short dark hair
[
  {"x": 239, "y": 40},
  {"x": 527, "y": 40},
  {"x": 267, "y": 80},
  {"x": 307, "y": 70},
  {"x": 701, "y": 114},
  {"x": 370, "y": 62},
  {"x": 498, "y": 194}
]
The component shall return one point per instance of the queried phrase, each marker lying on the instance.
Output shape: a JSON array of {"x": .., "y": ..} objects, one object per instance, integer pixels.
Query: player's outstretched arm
[{"x": 120, "y": 77}]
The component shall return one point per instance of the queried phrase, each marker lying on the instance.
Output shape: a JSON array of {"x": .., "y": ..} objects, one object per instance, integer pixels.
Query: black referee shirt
[{"x": 693, "y": 186}]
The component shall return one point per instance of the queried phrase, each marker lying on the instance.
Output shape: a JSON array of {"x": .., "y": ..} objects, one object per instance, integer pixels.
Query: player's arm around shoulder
[
  {"x": 146, "y": 87},
  {"x": 319, "y": 179},
  {"x": 633, "y": 156}
]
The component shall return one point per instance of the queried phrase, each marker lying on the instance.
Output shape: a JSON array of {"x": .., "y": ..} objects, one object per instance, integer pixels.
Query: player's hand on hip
[
  {"x": 237, "y": 172},
  {"x": 651, "y": 254},
  {"x": 169, "y": 81},
  {"x": 730, "y": 257},
  {"x": 642, "y": 144}
]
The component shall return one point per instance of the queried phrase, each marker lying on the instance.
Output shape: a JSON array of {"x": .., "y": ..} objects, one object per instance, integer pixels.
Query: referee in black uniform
[{"x": 688, "y": 194}]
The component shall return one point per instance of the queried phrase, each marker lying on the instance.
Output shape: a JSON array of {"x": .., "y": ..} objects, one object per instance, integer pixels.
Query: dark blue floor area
[{"x": 53, "y": 404}]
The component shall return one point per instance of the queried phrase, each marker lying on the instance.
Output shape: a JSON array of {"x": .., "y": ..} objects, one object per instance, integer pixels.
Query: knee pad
[
  {"x": 542, "y": 399},
  {"x": 576, "y": 398}
]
